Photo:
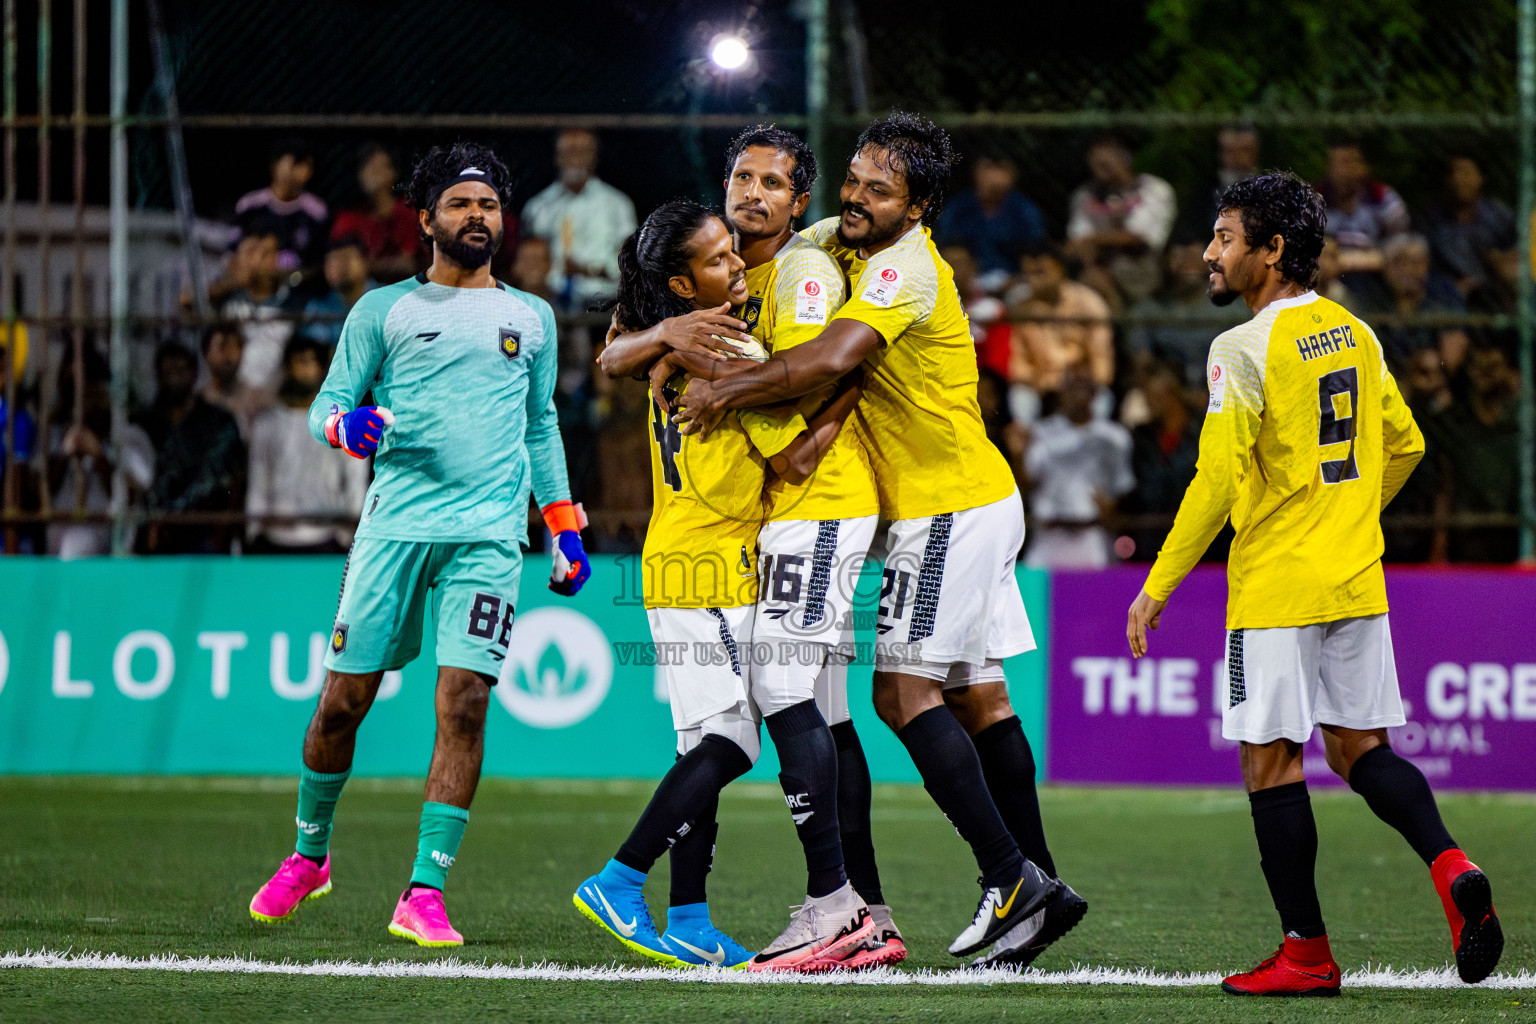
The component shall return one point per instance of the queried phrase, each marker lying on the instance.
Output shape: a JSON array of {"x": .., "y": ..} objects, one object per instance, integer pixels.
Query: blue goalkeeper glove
[
  {"x": 358, "y": 432},
  {"x": 572, "y": 567}
]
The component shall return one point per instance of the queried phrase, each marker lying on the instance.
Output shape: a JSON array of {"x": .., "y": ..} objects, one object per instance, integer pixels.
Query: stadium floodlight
[{"x": 729, "y": 51}]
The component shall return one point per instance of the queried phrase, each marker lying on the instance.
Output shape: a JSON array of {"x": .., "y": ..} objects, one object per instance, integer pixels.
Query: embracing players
[
  {"x": 1306, "y": 440},
  {"x": 816, "y": 538},
  {"x": 950, "y": 609},
  {"x": 700, "y": 583},
  {"x": 821, "y": 512},
  {"x": 463, "y": 368}
]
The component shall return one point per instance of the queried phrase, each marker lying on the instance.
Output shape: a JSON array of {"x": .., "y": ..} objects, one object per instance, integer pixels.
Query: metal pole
[
  {"x": 77, "y": 278},
  {"x": 817, "y": 56},
  {"x": 1527, "y": 453},
  {"x": 165, "y": 81},
  {"x": 44, "y": 342},
  {"x": 12, "y": 478},
  {"x": 856, "y": 57},
  {"x": 118, "y": 258}
]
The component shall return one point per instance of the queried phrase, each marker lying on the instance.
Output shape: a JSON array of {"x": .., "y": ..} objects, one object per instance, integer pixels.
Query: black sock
[
  {"x": 951, "y": 771},
  {"x": 1009, "y": 766},
  {"x": 682, "y": 796},
  {"x": 692, "y": 856},
  {"x": 1400, "y": 796},
  {"x": 808, "y": 774},
  {"x": 1282, "y": 821},
  {"x": 854, "y": 793}
]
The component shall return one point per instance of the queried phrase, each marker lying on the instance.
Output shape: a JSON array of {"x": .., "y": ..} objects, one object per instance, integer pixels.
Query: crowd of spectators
[
  {"x": 1091, "y": 346},
  {"x": 1095, "y": 342},
  {"x": 218, "y": 457}
]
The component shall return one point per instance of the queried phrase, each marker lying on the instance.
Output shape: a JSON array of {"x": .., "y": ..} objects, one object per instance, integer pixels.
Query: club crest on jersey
[
  {"x": 339, "y": 638},
  {"x": 880, "y": 288},
  {"x": 750, "y": 311},
  {"x": 511, "y": 342}
]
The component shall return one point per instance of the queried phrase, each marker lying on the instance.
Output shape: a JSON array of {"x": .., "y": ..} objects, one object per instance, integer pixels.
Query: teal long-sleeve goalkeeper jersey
[{"x": 469, "y": 374}]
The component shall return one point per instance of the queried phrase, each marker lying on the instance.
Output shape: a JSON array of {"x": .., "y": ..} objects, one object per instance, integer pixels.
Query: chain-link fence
[{"x": 171, "y": 109}]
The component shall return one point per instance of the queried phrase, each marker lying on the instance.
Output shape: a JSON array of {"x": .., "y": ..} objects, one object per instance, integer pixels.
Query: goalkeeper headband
[{"x": 467, "y": 174}]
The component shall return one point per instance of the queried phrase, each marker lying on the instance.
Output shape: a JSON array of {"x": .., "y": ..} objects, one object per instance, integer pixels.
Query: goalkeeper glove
[
  {"x": 358, "y": 432},
  {"x": 572, "y": 567}
]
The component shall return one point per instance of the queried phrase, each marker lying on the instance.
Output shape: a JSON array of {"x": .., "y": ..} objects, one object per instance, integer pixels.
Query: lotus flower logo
[
  {"x": 557, "y": 671},
  {"x": 550, "y": 680}
]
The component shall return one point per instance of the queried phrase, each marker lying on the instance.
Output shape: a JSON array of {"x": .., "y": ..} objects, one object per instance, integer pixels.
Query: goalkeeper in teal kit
[{"x": 461, "y": 370}]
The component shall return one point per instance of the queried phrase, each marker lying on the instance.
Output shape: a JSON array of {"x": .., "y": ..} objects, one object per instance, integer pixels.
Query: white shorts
[
  {"x": 739, "y": 724},
  {"x": 709, "y": 674},
  {"x": 809, "y": 570},
  {"x": 832, "y": 690},
  {"x": 1283, "y": 682},
  {"x": 959, "y": 675},
  {"x": 949, "y": 592}
]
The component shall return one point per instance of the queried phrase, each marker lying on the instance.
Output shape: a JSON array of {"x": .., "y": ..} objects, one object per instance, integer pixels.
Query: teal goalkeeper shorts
[{"x": 385, "y": 588}]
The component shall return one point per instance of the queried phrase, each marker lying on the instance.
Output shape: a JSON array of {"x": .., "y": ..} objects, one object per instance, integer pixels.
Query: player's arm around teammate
[
  {"x": 821, "y": 507},
  {"x": 798, "y": 461},
  {"x": 955, "y": 517},
  {"x": 706, "y": 333}
]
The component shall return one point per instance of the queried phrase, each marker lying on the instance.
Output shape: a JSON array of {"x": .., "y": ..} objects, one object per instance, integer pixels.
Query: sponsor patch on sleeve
[
  {"x": 811, "y": 302},
  {"x": 1218, "y": 386},
  {"x": 881, "y": 286}
]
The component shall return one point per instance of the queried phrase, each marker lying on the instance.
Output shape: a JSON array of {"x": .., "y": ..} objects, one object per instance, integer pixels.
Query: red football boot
[
  {"x": 1300, "y": 967},
  {"x": 1468, "y": 900}
]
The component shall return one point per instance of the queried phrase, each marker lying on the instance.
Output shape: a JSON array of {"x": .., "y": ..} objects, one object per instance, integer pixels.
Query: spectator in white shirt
[
  {"x": 585, "y": 221},
  {"x": 1119, "y": 222},
  {"x": 290, "y": 475},
  {"x": 1076, "y": 467},
  {"x": 263, "y": 306}
]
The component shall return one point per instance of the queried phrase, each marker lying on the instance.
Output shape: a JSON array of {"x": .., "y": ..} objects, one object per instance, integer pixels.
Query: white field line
[{"x": 452, "y": 967}]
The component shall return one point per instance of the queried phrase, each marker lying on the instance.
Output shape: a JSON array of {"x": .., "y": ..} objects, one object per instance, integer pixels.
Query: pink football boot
[
  {"x": 298, "y": 879},
  {"x": 421, "y": 917}
]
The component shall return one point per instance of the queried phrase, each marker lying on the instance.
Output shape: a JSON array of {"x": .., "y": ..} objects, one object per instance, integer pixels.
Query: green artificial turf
[{"x": 160, "y": 866}]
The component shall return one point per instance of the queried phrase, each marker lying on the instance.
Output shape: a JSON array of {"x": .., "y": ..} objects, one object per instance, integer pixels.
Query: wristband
[
  {"x": 332, "y": 427},
  {"x": 561, "y": 516}
]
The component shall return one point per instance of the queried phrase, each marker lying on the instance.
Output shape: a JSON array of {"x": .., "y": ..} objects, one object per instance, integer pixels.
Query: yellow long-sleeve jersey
[
  {"x": 1306, "y": 440},
  {"x": 918, "y": 416},
  {"x": 794, "y": 296}
]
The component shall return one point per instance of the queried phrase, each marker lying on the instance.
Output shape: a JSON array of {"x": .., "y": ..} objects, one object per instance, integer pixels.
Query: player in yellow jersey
[
  {"x": 700, "y": 588},
  {"x": 816, "y": 538},
  {"x": 1306, "y": 440},
  {"x": 950, "y": 609}
]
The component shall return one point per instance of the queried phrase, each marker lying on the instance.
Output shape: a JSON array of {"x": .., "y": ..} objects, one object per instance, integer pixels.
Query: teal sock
[
  {"x": 318, "y": 793},
  {"x": 442, "y": 828}
]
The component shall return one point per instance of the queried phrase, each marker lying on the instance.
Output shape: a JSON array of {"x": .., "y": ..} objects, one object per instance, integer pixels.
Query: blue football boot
[
  {"x": 612, "y": 899},
  {"x": 698, "y": 943}
]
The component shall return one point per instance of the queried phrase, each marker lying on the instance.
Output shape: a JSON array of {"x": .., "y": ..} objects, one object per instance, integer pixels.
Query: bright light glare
[{"x": 729, "y": 52}]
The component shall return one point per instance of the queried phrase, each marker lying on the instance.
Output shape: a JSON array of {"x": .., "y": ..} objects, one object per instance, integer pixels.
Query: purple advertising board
[{"x": 1466, "y": 664}]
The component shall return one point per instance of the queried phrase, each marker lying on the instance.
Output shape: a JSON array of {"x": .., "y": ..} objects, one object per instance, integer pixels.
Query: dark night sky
[{"x": 385, "y": 56}]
